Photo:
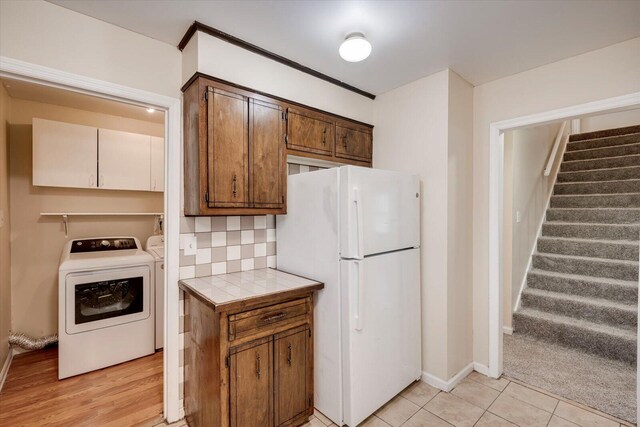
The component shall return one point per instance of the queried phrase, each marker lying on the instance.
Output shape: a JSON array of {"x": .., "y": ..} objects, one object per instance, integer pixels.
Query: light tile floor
[{"x": 480, "y": 401}]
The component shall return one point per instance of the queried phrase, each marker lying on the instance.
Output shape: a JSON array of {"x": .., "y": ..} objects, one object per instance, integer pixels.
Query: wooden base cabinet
[{"x": 250, "y": 366}]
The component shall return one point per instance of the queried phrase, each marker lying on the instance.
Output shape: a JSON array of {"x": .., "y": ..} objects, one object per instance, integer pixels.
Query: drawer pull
[
  {"x": 273, "y": 317},
  {"x": 289, "y": 355},
  {"x": 258, "y": 371}
]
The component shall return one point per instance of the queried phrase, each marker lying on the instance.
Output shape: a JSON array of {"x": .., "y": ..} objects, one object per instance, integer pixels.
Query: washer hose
[{"x": 29, "y": 343}]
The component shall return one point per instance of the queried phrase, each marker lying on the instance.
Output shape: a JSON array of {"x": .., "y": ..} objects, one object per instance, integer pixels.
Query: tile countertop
[{"x": 227, "y": 291}]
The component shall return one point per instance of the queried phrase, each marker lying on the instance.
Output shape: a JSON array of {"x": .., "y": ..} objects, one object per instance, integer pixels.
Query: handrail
[{"x": 554, "y": 151}]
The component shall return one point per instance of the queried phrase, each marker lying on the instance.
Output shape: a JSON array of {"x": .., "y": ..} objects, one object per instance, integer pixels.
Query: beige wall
[
  {"x": 610, "y": 121},
  {"x": 529, "y": 150},
  {"x": 36, "y": 241},
  {"x": 425, "y": 128},
  {"x": 257, "y": 72},
  {"x": 5, "y": 248},
  {"x": 459, "y": 225},
  {"x": 600, "y": 74},
  {"x": 46, "y": 34}
]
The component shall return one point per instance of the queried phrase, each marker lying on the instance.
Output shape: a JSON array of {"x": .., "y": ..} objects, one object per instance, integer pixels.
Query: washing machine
[
  {"x": 105, "y": 304},
  {"x": 155, "y": 247}
]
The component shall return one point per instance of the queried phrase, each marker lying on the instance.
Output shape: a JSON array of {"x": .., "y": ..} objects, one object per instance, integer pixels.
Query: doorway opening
[
  {"x": 130, "y": 205},
  {"x": 527, "y": 246}
]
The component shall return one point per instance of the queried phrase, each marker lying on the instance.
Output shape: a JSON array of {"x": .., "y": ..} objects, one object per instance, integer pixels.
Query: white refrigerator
[{"x": 358, "y": 231}]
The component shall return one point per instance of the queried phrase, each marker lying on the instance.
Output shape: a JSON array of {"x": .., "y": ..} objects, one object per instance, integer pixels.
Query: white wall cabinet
[
  {"x": 64, "y": 155},
  {"x": 123, "y": 160},
  {"x": 157, "y": 163},
  {"x": 68, "y": 155}
]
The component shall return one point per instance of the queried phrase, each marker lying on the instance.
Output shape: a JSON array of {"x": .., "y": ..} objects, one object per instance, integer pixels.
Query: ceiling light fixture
[
  {"x": 151, "y": 110},
  {"x": 355, "y": 48}
]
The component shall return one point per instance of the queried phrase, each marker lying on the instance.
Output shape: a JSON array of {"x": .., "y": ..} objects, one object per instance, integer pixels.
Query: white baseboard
[
  {"x": 447, "y": 386},
  {"x": 481, "y": 369},
  {"x": 5, "y": 368},
  {"x": 507, "y": 330}
]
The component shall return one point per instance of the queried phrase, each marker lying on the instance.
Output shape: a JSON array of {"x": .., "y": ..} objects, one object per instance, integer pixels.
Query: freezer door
[
  {"x": 379, "y": 211},
  {"x": 380, "y": 330}
]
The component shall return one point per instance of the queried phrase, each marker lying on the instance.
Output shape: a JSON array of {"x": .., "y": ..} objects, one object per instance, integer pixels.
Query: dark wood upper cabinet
[
  {"x": 228, "y": 149},
  {"x": 236, "y": 142},
  {"x": 268, "y": 156},
  {"x": 309, "y": 132},
  {"x": 354, "y": 143}
]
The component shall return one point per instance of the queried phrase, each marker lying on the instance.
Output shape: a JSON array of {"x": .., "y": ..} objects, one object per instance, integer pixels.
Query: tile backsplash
[{"x": 227, "y": 244}]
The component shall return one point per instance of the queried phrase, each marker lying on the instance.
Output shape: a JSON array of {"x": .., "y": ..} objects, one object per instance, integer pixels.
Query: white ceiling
[
  {"x": 28, "y": 91},
  {"x": 480, "y": 40}
]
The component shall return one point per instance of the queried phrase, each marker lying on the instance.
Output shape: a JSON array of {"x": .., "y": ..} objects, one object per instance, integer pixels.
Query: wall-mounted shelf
[{"x": 65, "y": 216}]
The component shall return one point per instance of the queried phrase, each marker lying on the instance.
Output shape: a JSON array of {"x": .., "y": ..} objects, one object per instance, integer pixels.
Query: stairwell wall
[
  {"x": 596, "y": 75},
  {"x": 610, "y": 121},
  {"x": 527, "y": 198}
]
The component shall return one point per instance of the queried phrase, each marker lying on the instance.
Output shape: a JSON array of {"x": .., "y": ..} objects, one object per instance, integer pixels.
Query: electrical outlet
[
  {"x": 518, "y": 216},
  {"x": 190, "y": 245}
]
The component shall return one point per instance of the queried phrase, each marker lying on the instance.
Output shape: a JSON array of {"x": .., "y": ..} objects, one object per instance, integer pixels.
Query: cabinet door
[
  {"x": 123, "y": 160},
  {"x": 308, "y": 132},
  {"x": 268, "y": 158},
  {"x": 64, "y": 155},
  {"x": 292, "y": 384},
  {"x": 157, "y": 163},
  {"x": 251, "y": 385},
  {"x": 352, "y": 143},
  {"x": 227, "y": 146}
]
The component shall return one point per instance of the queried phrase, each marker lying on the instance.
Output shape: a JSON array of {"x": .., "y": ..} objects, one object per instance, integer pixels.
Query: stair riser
[
  {"x": 596, "y": 201},
  {"x": 592, "y": 231},
  {"x": 585, "y": 288},
  {"x": 578, "y": 310},
  {"x": 611, "y": 187},
  {"x": 605, "y": 133},
  {"x": 593, "y": 342},
  {"x": 587, "y": 267},
  {"x": 600, "y": 175},
  {"x": 611, "y": 216},
  {"x": 608, "y": 163},
  {"x": 604, "y": 142},
  {"x": 601, "y": 153},
  {"x": 590, "y": 249}
]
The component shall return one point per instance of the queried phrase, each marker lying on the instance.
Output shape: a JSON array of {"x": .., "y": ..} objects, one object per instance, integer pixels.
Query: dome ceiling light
[{"x": 355, "y": 48}]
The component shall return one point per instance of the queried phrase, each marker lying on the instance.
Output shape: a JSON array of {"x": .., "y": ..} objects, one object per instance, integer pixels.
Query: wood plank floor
[{"x": 129, "y": 394}]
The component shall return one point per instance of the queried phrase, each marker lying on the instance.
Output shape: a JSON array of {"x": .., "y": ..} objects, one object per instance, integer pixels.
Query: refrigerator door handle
[
  {"x": 357, "y": 201},
  {"x": 358, "y": 315}
]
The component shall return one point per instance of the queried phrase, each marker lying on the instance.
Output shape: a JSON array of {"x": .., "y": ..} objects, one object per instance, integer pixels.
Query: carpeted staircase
[{"x": 582, "y": 289}]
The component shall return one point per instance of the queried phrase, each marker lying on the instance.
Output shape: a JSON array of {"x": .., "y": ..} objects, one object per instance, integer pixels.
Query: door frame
[
  {"x": 496, "y": 196},
  {"x": 25, "y": 71}
]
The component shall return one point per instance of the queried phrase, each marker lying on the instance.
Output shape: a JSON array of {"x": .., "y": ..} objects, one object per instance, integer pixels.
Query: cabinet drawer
[{"x": 267, "y": 320}]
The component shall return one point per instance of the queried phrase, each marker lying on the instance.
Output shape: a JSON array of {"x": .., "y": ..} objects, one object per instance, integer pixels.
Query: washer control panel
[{"x": 102, "y": 245}]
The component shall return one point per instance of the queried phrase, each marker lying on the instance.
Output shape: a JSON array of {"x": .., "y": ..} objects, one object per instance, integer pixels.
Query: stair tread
[
  {"x": 579, "y": 240},
  {"x": 619, "y": 282},
  {"x": 586, "y": 258},
  {"x": 622, "y": 333},
  {"x": 601, "y": 137},
  {"x": 599, "y": 209},
  {"x": 570, "y": 183},
  {"x": 595, "y": 170},
  {"x": 596, "y": 194},
  {"x": 633, "y": 224},
  {"x": 602, "y": 148},
  {"x": 601, "y": 158},
  {"x": 602, "y": 302}
]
